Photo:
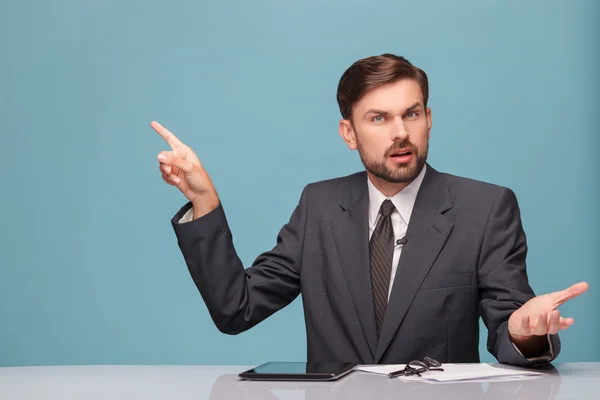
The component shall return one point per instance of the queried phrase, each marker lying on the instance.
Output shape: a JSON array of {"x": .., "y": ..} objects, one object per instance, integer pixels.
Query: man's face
[{"x": 390, "y": 128}]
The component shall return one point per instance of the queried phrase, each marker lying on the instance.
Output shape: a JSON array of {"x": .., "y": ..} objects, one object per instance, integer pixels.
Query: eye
[
  {"x": 412, "y": 115},
  {"x": 378, "y": 119}
]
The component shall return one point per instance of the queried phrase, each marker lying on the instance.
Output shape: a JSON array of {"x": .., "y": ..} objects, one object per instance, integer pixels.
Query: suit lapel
[
  {"x": 427, "y": 232},
  {"x": 351, "y": 236}
]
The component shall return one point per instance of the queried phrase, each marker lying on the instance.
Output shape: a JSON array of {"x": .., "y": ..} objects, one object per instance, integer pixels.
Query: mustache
[{"x": 405, "y": 144}]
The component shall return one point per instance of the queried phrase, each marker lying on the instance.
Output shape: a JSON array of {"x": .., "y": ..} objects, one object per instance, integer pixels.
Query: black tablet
[{"x": 298, "y": 371}]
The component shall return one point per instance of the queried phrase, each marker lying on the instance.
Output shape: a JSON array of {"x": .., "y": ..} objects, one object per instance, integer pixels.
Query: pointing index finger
[{"x": 166, "y": 134}]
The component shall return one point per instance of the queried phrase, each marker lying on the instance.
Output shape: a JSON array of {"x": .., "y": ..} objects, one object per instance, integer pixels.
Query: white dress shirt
[{"x": 188, "y": 216}]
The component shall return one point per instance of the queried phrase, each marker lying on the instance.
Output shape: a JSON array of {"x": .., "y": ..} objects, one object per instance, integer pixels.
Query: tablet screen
[{"x": 298, "y": 371}]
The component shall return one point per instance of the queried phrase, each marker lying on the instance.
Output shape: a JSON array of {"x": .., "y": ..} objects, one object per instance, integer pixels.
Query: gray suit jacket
[{"x": 465, "y": 258}]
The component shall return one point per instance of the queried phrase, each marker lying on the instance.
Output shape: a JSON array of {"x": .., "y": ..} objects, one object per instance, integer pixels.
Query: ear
[
  {"x": 347, "y": 133},
  {"x": 428, "y": 123}
]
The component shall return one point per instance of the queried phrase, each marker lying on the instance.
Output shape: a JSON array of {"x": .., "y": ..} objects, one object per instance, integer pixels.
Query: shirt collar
[{"x": 404, "y": 200}]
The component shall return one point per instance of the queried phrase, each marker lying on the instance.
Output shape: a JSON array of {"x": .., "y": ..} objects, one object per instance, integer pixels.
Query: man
[{"x": 394, "y": 263}]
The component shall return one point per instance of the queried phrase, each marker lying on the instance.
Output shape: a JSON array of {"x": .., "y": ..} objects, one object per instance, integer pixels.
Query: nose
[{"x": 399, "y": 131}]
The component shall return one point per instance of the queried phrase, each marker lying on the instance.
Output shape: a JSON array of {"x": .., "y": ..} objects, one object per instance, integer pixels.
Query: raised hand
[
  {"x": 181, "y": 168},
  {"x": 539, "y": 316}
]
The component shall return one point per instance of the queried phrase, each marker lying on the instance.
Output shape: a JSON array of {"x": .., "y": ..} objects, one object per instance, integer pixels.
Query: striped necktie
[{"x": 381, "y": 249}]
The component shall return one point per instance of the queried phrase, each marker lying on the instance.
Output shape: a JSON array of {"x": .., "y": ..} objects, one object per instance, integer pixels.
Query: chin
[
  {"x": 404, "y": 167},
  {"x": 404, "y": 172}
]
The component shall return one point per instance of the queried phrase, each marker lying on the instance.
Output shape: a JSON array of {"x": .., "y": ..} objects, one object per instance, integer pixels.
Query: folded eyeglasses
[{"x": 417, "y": 367}]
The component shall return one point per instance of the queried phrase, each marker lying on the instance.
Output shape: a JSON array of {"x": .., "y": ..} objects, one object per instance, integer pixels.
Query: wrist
[
  {"x": 205, "y": 205},
  {"x": 530, "y": 346}
]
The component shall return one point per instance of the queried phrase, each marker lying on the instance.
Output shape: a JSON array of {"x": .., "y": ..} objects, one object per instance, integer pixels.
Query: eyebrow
[
  {"x": 413, "y": 107},
  {"x": 376, "y": 111}
]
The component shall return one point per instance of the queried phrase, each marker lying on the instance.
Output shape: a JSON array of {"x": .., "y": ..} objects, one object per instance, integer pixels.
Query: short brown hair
[{"x": 372, "y": 72}]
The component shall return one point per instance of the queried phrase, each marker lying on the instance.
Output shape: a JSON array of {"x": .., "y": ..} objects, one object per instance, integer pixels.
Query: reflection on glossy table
[{"x": 561, "y": 381}]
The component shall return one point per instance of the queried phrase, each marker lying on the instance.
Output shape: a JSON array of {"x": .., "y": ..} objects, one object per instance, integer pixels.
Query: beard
[{"x": 401, "y": 173}]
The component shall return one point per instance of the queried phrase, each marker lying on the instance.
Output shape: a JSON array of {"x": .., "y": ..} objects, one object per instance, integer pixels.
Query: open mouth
[{"x": 401, "y": 153}]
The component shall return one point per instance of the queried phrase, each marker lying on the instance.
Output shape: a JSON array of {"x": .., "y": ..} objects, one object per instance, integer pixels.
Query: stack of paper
[{"x": 456, "y": 372}]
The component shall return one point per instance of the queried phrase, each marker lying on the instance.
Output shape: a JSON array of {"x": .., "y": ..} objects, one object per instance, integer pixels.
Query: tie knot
[{"x": 387, "y": 208}]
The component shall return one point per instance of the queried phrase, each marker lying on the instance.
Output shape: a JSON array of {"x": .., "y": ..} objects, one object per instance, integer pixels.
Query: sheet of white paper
[
  {"x": 454, "y": 372},
  {"x": 510, "y": 378}
]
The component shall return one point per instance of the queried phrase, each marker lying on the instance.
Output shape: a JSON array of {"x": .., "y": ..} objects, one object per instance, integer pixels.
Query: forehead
[{"x": 394, "y": 96}]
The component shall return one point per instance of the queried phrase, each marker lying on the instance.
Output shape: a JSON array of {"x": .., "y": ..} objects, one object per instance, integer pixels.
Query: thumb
[
  {"x": 169, "y": 158},
  {"x": 567, "y": 294}
]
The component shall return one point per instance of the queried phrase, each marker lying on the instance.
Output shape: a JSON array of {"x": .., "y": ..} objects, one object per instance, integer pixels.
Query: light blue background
[{"x": 90, "y": 271}]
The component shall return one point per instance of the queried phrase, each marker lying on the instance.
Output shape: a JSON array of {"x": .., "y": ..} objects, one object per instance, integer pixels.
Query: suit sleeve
[
  {"x": 238, "y": 298},
  {"x": 503, "y": 282}
]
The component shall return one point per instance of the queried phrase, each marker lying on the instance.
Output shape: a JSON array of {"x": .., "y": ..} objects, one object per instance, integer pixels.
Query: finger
[
  {"x": 169, "y": 158},
  {"x": 171, "y": 179},
  {"x": 169, "y": 170},
  {"x": 165, "y": 169},
  {"x": 167, "y": 181},
  {"x": 575, "y": 290},
  {"x": 525, "y": 326},
  {"x": 566, "y": 323},
  {"x": 554, "y": 325},
  {"x": 542, "y": 324},
  {"x": 166, "y": 134},
  {"x": 174, "y": 179}
]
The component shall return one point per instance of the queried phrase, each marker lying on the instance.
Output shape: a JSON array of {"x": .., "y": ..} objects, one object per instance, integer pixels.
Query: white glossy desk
[{"x": 563, "y": 381}]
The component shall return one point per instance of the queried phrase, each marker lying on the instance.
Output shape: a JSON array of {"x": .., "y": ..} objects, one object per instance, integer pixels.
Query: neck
[{"x": 387, "y": 188}]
